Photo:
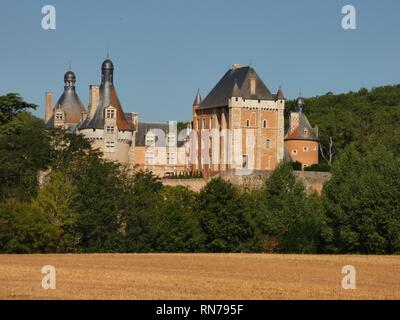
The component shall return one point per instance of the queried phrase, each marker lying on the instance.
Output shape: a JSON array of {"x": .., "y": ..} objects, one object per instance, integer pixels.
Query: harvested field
[{"x": 199, "y": 276}]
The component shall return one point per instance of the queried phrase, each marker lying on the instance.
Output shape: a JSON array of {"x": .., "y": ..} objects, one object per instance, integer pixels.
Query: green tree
[
  {"x": 224, "y": 218},
  {"x": 24, "y": 151},
  {"x": 57, "y": 201},
  {"x": 286, "y": 214},
  {"x": 11, "y": 104},
  {"x": 141, "y": 219},
  {"x": 24, "y": 228},
  {"x": 179, "y": 228},
  {"x": 361, "y": 203}
]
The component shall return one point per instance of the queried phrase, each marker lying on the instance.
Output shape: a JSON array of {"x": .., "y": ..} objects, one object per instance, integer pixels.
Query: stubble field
[{"x": 199, "y": 276}]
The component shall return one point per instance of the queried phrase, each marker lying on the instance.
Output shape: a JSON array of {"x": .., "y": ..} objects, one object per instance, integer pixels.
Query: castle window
[
  {"x": 265, "y": 123},
  {"x": 268, "y": 143},
  {"x": 110, "y": 113},
  {"x": 305, "y": 149},
  {"x": 314, "y": 148},
  {"x": 305, "y": 131},
  {"x": 109, "y": 129},
  {"x": 110, "y": 146},
  {"x": 247, "y": 123},
  {"x": 203, "y": 124},
  {"x": 236, "y": 99},
  {"x": 294, "y": 152},
  {"x": 59, "y": 116}
]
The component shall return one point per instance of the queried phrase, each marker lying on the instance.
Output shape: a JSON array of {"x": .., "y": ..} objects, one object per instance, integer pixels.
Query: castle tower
[
  {"x": 301, "y": 140},
  {"x": 240, "y": 123},
  {"x": 107, "y": 125},
  {"x": 69, "y": 111}
]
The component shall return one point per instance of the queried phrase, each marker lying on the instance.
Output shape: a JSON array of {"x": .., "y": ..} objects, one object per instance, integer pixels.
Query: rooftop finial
[
  {"x": 69, "y": 65},
  {"x": 108, "y": 53}
]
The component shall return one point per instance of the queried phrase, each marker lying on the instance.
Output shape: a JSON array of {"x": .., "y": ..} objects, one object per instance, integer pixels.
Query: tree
[
  {"x": 24, "y": 228},
  {"x": 24, "y": 150},
  {"x": 361, "y": 203},
  {"x": 57, "y": 200},
  {"x": 224, "y": 218},
  {"x": 141, "y": 220},
  {"x": 100, "y": 203},
  {"x": 10, "y": 105},
  {"x": 285, "y": 213},
  {"x": 179, "y": 228}
]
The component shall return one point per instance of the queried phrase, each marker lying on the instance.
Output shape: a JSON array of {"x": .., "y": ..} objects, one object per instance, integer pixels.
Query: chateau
[{"x": 239, "y": 126}]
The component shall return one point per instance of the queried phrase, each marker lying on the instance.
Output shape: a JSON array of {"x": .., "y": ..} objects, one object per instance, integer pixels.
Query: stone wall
[
  {"x": 313, "y": 181},
  {"x": 193, "y": 184}
]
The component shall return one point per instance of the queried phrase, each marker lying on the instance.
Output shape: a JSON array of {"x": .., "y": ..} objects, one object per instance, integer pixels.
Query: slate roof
[
  {"x": 236, "y": 83},
  {"x": 69, "y": 102},
  {"x": 300, "y": 133},
  {"x": 197, "y": 99},
  {"x": 107, "y": 97},
  {"x": 145, "y": 127}
]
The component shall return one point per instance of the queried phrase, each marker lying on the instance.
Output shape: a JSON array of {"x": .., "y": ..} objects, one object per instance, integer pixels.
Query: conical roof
[
  {"x": 197, "y": 99},
  {"x": 107, "y": 97},
  {"x": 69, "y": 101}
]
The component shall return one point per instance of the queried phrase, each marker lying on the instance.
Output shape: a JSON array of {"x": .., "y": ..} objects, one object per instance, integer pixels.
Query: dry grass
[{"x": 199, "y": 276}]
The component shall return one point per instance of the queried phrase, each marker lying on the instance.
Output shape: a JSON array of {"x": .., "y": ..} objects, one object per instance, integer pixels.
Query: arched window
[
  {"x": 248, "y": 123},
  {"x": 268, "y": 143}
]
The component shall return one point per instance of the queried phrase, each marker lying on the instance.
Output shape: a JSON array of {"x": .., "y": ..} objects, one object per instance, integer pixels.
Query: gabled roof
[
  {"x": 225, "y": 88},
  {"x": 304, "y": 131}
]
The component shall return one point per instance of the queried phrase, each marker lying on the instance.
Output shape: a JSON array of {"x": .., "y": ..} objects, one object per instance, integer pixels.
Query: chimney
[
  {"x": 93, "y": 99},
  {"x": 294, "y": 121},
  {"x": 135, "y": 120},
  {"x": 49, "y": 107}
]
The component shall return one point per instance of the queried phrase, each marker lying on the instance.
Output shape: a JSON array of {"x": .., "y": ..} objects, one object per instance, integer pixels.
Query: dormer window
[
  {"x": 59, "y": 116},
  {"x": 110, "y": 113},
  {"x": 305, "y": 131}
]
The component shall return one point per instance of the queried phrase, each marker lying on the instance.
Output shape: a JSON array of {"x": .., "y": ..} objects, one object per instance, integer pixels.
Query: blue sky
[{"x": 164, "y": 50}]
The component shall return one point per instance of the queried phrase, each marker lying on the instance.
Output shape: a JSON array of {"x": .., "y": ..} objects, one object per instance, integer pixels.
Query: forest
[{"x": 91, "y": 205}]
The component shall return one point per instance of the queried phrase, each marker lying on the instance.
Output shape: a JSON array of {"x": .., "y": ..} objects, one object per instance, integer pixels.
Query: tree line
[{"x": 87, "y": 204}]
